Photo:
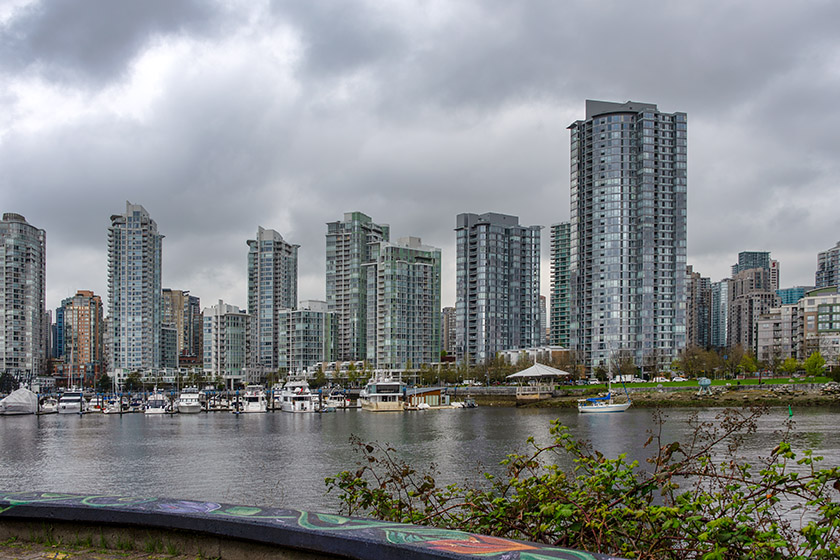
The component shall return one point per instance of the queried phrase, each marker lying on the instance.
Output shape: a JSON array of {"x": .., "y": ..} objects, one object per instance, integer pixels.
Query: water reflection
[{"x": 282, "y": 459}]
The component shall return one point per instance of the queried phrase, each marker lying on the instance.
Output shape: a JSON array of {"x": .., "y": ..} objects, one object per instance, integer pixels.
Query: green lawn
[{"x": 693, "y": 382}]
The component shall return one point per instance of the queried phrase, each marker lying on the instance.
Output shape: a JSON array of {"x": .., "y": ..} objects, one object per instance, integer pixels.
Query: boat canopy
[
  {"x": 537, "y": 371},
  {"x": 596, "y": 399},
  {"x": 22, "y": 401}
]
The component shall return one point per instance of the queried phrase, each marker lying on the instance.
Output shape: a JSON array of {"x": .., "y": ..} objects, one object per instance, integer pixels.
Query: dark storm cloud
[
  {"x": 288, "y": 115},
  {"x": 93, "y": 40}
]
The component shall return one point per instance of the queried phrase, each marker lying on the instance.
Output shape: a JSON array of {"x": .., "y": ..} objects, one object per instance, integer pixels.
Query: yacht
[
  {"x": 156, "y": 403},
  {"x": 48, "y": 406},
  {"x": 383, "y": 395},
  {"x": 189, "y": 401},
  {"x": 296, "y": 396},
  {"x": 71, "y": 402},
  {"x": 606, "y": 403},
  {"x": 254, "y": 399}
]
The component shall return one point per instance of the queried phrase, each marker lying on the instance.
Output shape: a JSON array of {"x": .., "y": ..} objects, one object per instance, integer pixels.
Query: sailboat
[{"x": 605, "y": 403}]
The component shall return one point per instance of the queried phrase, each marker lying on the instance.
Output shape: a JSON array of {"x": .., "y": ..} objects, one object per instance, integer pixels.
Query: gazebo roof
[{"x": 538, "y": 370}]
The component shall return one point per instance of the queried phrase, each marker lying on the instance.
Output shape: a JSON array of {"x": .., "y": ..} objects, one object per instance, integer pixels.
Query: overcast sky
[{"x": 219, "y": 117}]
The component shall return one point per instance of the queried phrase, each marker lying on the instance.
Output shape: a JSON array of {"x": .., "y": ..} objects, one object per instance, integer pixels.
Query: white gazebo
[{"x": 536, "y": 382}]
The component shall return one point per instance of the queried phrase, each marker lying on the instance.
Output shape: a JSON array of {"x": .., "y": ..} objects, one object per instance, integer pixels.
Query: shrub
[{"x": 699, "y": 500}]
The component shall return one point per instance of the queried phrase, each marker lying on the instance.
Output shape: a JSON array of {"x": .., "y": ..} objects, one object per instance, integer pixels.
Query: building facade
[
  {"x": 788, "y": 296},
  {"x": 134, "y": 290},
  {"x": 497, "y": 286},
  {"x": 24, "y": 327},
  {"x": 182, "y": 312},
  {"x": 560, "y": 295},
  {"x": 698, "y": 309},
  {"x": 226, "y": 342},
  {"x": 828, "y": 267},
  {"x": 628, "y": 233},
  {"x": 447, "y": 330},
  {"x": 272, "y": 285},
  {"x": 307, "y": 337},
  {"x": 751, "y": 295},
  {"x": 403, "y": 304},
  {"x": 84, "y": 330},
  {"x": 719, "y": 321},
  {"x": 348, "y": 248}
]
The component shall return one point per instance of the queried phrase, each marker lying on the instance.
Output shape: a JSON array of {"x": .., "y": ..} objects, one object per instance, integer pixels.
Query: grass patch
[
  {"x": 125, "y": 544},
  {"x": 153, "y": 546}
]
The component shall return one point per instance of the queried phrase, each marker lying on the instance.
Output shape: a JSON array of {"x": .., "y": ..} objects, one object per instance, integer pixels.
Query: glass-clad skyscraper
[
  {"x": 628, "y": 233},
  {"x": 24, "y": 328},
  {"x": 403, "y": 304},
  {"x": 348, "y": 248},
  {"x": 134, "y": 290},
  {"x": 272, "y": 285},
  {"x": 497, "y": 286},
  {"x": 560, "y": 295}
]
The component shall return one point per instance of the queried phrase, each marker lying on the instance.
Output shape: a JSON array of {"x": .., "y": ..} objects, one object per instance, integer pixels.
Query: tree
[
  {"x": 815, "y": 365},
  {"x": 748, "y": 363},
  {"x": 134, "y": 382},
  {"x": 789, "y": 366},
  {"x": 319, "y": 379},
  {"x": 103, "y": 383}
]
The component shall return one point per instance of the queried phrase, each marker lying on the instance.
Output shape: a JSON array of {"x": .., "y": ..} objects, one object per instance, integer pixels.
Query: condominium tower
[
  {"x": 84, "y": 329},
  {"x": 272, "y": 285},
  {"x": 403, "y": 304},
  {"x": 559, "y": 331},
  {"x": 134, "y": 290},
  {"x": 226, "y": 342},
  {"x": 828, "y": 267},
  {"x": 183, "y": 312},
  {"x": 24, "y": 328},
  {"x": 348, "y": 248},
  {"x": 307, "y": 336},
  {"x": 628, "y": 233},
  {"x": 497, "y": 286}
]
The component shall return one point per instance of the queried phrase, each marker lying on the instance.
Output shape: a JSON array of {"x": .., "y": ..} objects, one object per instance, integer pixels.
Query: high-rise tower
[
  {"x": 272, "y": 286},
  {"x": 497, "y": 286},
  {"x": 134, "y": 290},
  {"x": 403, "y": 299},
  {"x": 24, "y": 326},
  {"x": 348, "y": 248},
  {"x": 560, "y": 284},
  {"x": 628, "y": 233}
]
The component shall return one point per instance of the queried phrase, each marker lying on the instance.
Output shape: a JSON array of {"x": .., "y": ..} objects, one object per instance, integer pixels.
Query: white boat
[
  {"x": 339, "y": 400},
  {"x": 96, "y": 404},
  {"x": 71, "y": 402},
  {"x": 48, "y": 405},
  {"x": 383, "y": 395},
  {"x": 114, "y": 405},
  {"x": 606, "y": 403},
  {"x": 254, "y": 399},
  {"x": 189, "y": 401},
  {"x": 296, "y": 396},
  {"x": 21, "y": 401},
  {"x": 156, "y": 403}
]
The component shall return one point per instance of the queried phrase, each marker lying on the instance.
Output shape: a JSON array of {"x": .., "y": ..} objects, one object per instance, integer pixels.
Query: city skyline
[{"x": 218, "y": 120}]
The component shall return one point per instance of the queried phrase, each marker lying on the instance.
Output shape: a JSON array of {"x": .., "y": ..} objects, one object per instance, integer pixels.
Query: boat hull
[
  {"x": 189, "y": 408},
  {"x": 604, "y": 408},
  {"x": 383, "y": 406}
]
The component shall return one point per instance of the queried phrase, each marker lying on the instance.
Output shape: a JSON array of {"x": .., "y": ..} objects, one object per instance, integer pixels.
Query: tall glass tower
[
  {"x": 348, "y": 248},
  {"x": 272, "y": 286},
  {"x": 628, "y": 233},
  {"x": 24, "y": 328},
  {"x": 497, "y": 286},
  {"x": 134, "y": 290}
]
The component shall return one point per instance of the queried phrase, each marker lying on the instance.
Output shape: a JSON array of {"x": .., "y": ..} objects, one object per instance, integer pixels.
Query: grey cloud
[{"x": 93, "y": 40}]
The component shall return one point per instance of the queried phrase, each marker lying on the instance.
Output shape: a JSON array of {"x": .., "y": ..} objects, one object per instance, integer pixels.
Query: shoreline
[{"x": 688, "y": 398}]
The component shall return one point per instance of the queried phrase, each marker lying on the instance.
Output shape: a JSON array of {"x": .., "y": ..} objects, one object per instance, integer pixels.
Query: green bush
[{"x": 698, "y": 501}]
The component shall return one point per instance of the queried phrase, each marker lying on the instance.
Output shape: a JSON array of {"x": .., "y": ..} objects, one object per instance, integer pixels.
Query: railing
[{"x": 233, "y": 531}]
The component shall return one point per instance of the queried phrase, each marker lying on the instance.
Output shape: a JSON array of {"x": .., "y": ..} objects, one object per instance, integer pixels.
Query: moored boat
[
  {"x": 296, "y": 396},
  {"x": 383, "y": 395},
  {"x": 71, "y": 402},
  {"x": 605, "y": 403},
  {"x": 189, "y": 401},
  {"x": 254, "y": 399},
  {"x": 156, "y": 403}
]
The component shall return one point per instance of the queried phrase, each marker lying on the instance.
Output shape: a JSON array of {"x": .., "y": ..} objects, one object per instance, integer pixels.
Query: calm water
[{"x": 281, "y": 459}]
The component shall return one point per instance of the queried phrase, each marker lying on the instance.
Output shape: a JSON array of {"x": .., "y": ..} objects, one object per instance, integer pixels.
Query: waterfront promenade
[{"x": 102, "y": 526}]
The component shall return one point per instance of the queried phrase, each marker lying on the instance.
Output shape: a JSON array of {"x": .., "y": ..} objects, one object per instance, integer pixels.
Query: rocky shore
[{"x": 827, "y": 394}]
